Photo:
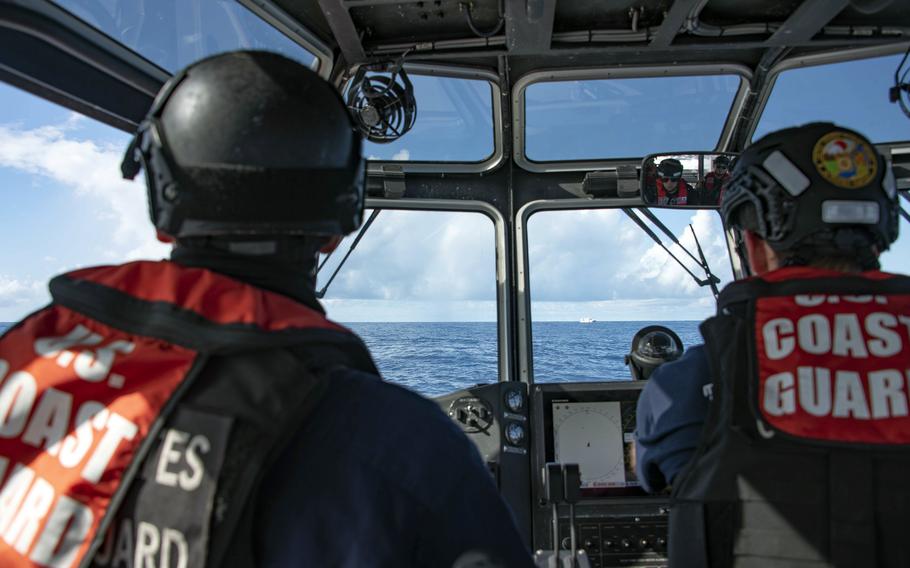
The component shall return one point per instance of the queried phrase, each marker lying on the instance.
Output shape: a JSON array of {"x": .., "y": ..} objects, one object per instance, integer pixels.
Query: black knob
[
  {"x": 609, "y": 543},
  {"x": 566, "y": 543},
  {"x": 590, "y": 544},
  {"x": 661, "y": 542},
  {"x": 625, "y": 544},
  {"x": 643, "y": 543}
]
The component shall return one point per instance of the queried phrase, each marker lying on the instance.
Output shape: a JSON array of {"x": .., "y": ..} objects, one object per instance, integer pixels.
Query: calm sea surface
[{"x": 435, "y": 358}]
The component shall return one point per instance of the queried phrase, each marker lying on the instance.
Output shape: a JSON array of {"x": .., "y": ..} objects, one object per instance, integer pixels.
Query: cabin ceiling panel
[
  {"x": 430, "y": 20},
  {"x": 310, "y": 15},
  {"x": 519, "y": 66},
  {"x": 732, "y": 12},
  {"x": 857, "y": 12},
  {"x": 897, "y": 12},
  {"x": 591, "y": 14}
]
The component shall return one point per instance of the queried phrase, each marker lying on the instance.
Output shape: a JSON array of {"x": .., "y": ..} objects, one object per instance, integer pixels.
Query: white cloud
[
  {"x": 419, "y": 256},
  {"x": 92, "y": 171},
  {"x": 597, "y": 255},
  {"x": 402, "y": 155},
  {"x": 18, "y": 294}
]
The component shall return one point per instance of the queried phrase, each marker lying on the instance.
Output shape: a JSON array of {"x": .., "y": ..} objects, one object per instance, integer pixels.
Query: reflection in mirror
[{"x": 693, "y": 179}]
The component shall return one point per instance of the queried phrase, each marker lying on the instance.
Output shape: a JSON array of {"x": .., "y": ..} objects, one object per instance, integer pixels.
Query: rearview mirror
[{"x": 692, "y": 179}]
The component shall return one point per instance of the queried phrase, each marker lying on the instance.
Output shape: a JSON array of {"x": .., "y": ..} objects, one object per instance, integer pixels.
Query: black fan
[{"x": 382, "y": 103}]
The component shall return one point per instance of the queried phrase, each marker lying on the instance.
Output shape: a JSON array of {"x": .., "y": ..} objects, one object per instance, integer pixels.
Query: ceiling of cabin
[{"x": 561, "y": 33}]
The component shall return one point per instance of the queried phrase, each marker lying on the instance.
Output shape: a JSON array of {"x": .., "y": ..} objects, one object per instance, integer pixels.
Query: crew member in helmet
[
  {"x": 710, "y": 189},
  {"x": 203, "y": 411},
  {"x": 797, "y": 396},
  {"x": 672, "y": 189}
]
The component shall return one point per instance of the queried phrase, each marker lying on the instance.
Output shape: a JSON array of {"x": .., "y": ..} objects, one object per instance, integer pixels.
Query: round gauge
[
  {"x": 515, "y": 434},
  {"x": 514, "y": 400},
  {"x": 590, "y": 434}
]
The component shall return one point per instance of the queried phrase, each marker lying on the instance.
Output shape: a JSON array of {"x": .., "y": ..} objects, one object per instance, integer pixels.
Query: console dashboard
[{"x": 592, "y": 424}]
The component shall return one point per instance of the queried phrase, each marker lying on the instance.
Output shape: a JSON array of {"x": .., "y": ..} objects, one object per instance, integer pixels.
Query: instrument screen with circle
[{"x": 591, "y": 435}]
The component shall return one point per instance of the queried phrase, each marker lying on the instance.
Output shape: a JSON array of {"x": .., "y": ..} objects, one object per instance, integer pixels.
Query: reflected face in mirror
[{"x": 693, "y": 179}]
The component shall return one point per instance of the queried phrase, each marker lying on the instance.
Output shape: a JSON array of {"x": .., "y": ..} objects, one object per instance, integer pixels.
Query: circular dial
[
  {"x": 514, "y": 400},
  {"x": 515, "y": 434}
]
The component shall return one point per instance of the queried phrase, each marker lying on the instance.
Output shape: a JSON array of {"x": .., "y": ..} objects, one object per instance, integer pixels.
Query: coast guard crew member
[
  {"x": 203, "y": 411},
  {"x": 784, "y": 436}
]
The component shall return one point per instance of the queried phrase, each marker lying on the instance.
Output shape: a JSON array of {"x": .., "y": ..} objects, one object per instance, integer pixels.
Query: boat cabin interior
[{"x": 531, "y": 116}]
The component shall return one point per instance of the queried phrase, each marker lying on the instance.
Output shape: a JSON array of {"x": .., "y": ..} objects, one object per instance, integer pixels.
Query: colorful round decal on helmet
[{"x": 845, "y": 159}]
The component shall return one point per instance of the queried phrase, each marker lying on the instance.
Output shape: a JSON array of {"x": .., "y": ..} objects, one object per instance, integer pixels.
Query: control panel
[
  {"x": 589, "y": 428},
  {"x": 629, "y": 541},
  {"x": 495, "y": 417}
]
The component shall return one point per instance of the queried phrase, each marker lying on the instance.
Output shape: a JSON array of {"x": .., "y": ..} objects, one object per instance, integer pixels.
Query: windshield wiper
[
  {"x": 905, "y": 193},
  {"x": 321, "y": 293},
  {"x": 710, "y": 280}
]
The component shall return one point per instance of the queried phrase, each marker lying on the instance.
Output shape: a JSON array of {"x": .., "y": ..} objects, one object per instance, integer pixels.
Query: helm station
[{"x": 608, "y": 129}]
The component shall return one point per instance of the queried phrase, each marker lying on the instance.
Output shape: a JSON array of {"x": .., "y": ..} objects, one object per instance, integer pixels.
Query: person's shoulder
[
  {"x": 400, "y": 436},
  {"x": 389, "y": 415},
  {"x": 692, "y": 366}
]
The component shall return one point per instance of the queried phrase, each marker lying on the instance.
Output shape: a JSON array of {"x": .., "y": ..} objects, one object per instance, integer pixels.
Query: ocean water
[{"x": 436, "y": 358}]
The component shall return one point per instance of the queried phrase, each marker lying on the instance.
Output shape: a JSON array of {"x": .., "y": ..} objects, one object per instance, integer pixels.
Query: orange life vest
[{"x": 87, "y": 384}]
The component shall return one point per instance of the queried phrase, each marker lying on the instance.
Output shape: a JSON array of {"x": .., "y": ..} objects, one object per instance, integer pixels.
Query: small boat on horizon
[{"x": 587, "y": 320}]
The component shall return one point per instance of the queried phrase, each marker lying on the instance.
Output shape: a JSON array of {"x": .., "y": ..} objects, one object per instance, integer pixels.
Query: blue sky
[{"x": 66, "y": 205}]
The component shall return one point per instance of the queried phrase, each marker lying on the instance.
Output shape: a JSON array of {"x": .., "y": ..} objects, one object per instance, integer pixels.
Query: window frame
[
  {"x": 816, "y": 60},
  {"x": 380, "y": 167},
  {"x": 523, "y": 284},
  {"x": 560, "y": 75},
  {"x": 271, "y": 14},
  {"x": 500, "y": 249}
]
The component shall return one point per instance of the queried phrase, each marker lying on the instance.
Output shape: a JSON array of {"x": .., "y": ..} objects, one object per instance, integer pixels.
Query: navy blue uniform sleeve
[{"x": 670, "y": 416}]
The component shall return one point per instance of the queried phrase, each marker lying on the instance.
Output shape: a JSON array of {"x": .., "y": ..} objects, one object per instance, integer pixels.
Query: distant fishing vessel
[{"x": 586, "y": 320}]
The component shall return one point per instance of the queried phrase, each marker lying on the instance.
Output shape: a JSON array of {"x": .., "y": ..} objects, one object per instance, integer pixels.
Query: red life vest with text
[
  {"x": 681, "y": 196},
  {"x": 806, "y": 450},
  {"x": 89, "y": 387}
]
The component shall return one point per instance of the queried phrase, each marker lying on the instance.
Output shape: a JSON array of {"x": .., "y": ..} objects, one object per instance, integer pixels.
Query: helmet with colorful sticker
[
  {"x": 249, "y": 143},
  {"x": 816, "y": 189},
  {"x": 671, "y": 168}
]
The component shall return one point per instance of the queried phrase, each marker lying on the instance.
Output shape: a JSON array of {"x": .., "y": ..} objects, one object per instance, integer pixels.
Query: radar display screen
[
  {"x": 590, "y": 434},
  {"x": 598, "y": 436}
]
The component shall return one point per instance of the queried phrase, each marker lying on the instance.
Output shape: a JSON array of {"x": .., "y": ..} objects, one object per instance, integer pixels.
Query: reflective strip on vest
[{"x": 77, "y": 399}]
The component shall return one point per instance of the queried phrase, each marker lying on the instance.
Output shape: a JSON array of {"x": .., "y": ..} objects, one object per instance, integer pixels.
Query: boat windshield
[
  {"x": 454, "y": 123},
  {"x": 849, "y": 93},
  {"x": 596, "y": 267},
  {"x": 625, "y": 118},
  {"x": 174, "y": 34}
]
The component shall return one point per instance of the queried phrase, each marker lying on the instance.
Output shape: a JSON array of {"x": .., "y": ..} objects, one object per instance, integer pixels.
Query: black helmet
[
  {"x": 670, "y": 168},
  {"x": 249, "y": 143},
  {"x": 722, "y": 161},
  {"x": 817, "y": 185},
  {"x": 652, "y": 346}
]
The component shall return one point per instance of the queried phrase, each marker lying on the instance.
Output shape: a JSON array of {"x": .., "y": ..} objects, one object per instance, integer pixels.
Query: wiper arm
[
  {"x": 710, "y": 281},
  {"x": 905, "y": 193},
  {"x": 713, "y": 281},
  {"x": 653, "y": 218},
  {"x": 321, "y": 293},
  {"x": 702, "y": 260}
]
